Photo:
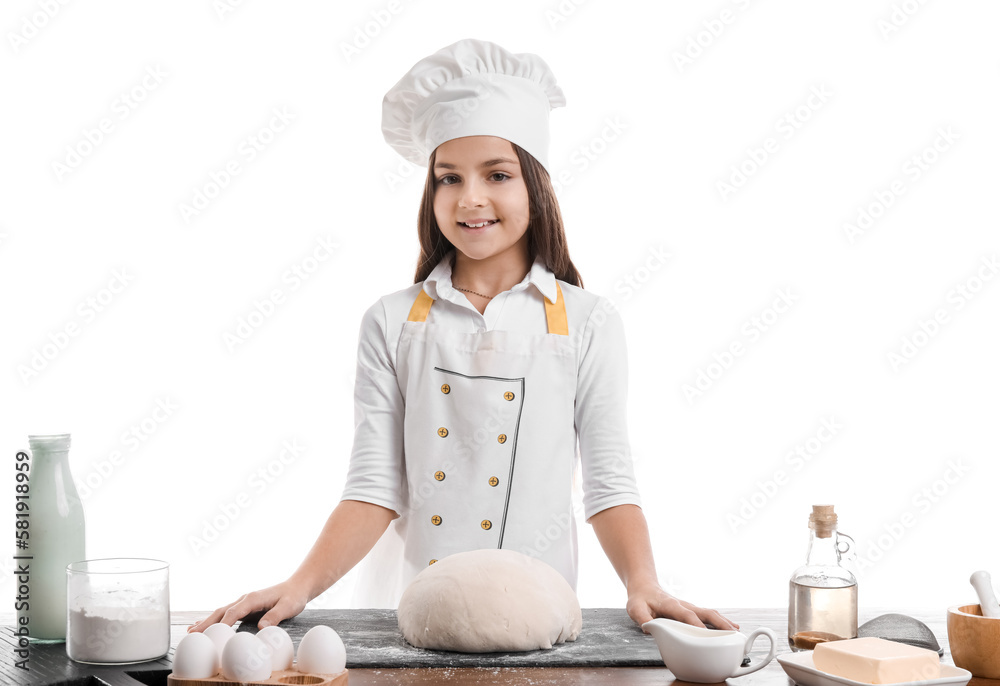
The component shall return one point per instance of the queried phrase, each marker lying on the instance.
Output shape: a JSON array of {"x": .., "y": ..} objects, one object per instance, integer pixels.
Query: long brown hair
[{"x": 546, "y": 237}]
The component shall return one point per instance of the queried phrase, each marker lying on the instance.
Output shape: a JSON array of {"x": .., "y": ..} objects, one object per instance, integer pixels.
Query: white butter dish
[{"x": 799, "y": 666}]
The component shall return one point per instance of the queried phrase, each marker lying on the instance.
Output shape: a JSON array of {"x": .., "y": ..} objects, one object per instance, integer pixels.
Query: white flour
[{"x": 118, "y": 634}]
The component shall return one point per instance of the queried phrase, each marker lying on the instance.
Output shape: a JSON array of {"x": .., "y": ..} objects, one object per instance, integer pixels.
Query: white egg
[
  {"x": 321, "y": 652},
  {"x": 246, "y": 658},
  {"x": 280, "y": 642},
  {"x": 196, "y": 657},
  {"x": 220, "y": 634}
]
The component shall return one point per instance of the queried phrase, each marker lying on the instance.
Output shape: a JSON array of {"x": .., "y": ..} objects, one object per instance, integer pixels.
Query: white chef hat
[{"x": 471, "y": 88}]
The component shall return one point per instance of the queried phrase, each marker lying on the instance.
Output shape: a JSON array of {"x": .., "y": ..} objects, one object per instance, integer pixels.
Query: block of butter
[{"x": 876, "y": 661}]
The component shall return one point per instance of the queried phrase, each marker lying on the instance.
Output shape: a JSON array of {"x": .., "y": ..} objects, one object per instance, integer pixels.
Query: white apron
[{"x": 489, "y": 444}]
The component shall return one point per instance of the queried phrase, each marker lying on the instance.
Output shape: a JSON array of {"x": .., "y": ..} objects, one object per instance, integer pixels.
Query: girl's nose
[{"x": 472, "y": 195}]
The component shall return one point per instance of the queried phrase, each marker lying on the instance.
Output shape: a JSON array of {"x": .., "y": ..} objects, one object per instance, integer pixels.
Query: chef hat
[{"x": 471, "y": 88}]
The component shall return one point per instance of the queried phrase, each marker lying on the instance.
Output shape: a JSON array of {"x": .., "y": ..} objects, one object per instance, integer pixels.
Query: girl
[{"x": 474, "y": 384}]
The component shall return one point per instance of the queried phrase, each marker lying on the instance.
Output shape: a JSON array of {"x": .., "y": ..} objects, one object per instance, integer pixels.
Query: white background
[{"x": 893, "y": 75}]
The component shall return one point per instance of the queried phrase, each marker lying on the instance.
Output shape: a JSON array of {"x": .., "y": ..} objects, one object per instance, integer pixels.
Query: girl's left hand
[{"x": 648, "y": 602}]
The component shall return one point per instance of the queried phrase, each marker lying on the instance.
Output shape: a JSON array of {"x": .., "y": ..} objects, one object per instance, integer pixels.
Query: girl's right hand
[{"x": 283, "y": 600}]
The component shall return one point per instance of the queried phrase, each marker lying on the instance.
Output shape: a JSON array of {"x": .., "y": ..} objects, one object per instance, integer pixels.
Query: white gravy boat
[{"x": 705, "y": 656}]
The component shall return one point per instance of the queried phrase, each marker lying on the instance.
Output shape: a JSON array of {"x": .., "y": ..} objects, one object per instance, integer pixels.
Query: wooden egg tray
[{"x": 281, "y": 677}]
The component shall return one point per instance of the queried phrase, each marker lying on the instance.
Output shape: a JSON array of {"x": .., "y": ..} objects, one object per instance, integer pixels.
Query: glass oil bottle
[{"x": 822, "y": 593}]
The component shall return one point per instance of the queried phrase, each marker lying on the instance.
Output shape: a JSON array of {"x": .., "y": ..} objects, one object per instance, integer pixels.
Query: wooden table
[{"x": 51, "y": 667}]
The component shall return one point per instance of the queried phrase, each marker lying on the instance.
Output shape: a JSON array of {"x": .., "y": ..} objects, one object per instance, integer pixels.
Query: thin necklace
[{"x": 488, "y": 297}]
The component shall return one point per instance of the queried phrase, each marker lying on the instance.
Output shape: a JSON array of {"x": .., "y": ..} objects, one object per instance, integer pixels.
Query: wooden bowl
[{"x": 974, "y": 640}]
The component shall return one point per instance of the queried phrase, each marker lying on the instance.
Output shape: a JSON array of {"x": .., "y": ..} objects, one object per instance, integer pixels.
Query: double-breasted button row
[
  {"x": 443, "y": 433},
  {"x": 446, "y": 389},
  {"x": 439, "y": 476},
  {"x": 486, "y": 524}
]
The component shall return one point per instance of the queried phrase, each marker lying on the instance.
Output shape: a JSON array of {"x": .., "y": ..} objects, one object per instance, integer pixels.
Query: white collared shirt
[{"x": 377, "y": 469}]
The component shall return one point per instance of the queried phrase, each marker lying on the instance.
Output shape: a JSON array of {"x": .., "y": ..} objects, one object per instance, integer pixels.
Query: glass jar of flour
[{"x": 119, "y": 610}]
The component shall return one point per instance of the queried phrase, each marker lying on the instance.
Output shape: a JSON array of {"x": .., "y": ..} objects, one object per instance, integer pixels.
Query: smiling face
[{"x": 480, "y": 198}]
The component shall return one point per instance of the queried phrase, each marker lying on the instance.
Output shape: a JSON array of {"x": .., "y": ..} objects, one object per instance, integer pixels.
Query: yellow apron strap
[
  {"x": 421, "y": 306},
  {"x": 555, "y": 314}
]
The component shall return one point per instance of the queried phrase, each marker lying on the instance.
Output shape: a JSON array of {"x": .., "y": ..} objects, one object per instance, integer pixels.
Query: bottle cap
[{"x": 823, "y": 520}]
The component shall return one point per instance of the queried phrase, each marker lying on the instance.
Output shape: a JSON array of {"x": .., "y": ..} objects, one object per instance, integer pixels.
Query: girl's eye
[
  {"x": 447, "y": 180},
  {"x": 501, "y": 175}
]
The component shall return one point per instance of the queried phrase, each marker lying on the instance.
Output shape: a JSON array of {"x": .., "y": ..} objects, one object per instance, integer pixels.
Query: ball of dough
[{"x": 486, "y": 601}]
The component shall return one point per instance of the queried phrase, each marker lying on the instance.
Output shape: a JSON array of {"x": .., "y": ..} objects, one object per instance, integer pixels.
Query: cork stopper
[{"x": 823, "y": 520}]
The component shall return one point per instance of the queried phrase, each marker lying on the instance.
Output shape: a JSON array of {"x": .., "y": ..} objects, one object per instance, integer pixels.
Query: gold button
[
  {"x": 436, "y": 520},
  {"x": 508, "y": 396},
  {"x": 486, "y": 524},
  {"x": 439, "y": 476},
  {"x": 446, "y": 389},
  {"x": 442, "y": 432},
  {"x": 431, "y": 562},
  {"x": 494, "y": 481},
  {"x": 502, "y": 438}
]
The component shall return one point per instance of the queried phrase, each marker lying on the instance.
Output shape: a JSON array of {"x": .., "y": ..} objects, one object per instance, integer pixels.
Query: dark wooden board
[
  {"x": 609, "y": 638},
  {"x": 49, "y": 665}
]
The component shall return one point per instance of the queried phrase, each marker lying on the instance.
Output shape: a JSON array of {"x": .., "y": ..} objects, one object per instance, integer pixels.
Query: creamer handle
[{"x": 753, "y": 667}]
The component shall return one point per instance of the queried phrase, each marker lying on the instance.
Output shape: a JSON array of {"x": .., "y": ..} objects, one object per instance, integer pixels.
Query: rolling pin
[{"x": 984, "y": 589}]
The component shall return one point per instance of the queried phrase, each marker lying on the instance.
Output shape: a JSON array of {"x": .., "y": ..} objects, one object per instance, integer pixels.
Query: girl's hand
[
  {"x": 648, "y": 602},
  {"x": 283, "y": 600}
]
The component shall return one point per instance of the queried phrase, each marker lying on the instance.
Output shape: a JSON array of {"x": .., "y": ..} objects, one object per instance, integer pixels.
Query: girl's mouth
[{"x": 478, "y": 225}]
